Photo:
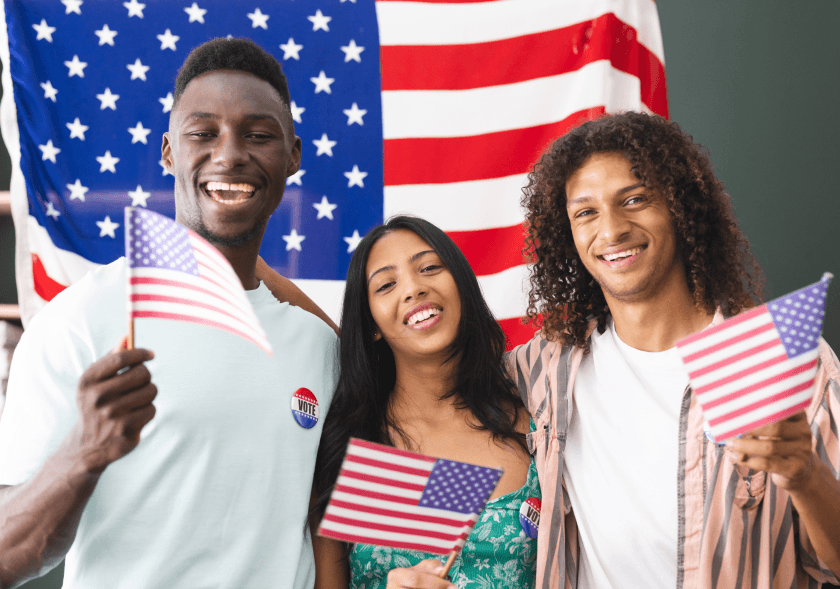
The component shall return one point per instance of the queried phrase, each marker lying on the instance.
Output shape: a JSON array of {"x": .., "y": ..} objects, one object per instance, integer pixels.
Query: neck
[
  {"x": 419, "y": 388},
  {"x": 243, "y": 260},
  {"x": 658, "y": 322}
]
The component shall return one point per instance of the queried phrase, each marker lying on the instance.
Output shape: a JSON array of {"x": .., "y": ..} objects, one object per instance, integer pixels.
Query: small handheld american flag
[
  {"x": 390, "y": 497},
  {"x": 757, "y": 367},
  {"x": 175, "y": 274}
]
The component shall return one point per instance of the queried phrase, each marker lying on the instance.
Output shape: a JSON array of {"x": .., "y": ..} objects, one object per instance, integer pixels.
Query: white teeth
[
  {"x": 624, "y": 254},
  {"x": 422, "y": 316},
  {"x": 241, "y": 187}
]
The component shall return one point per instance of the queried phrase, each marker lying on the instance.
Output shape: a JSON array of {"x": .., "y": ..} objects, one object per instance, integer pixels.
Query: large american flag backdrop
[{"x": 433, "y": 108}]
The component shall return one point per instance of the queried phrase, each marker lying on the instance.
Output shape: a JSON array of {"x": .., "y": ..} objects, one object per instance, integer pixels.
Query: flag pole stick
[
  {"x": 129, "y": 340},
  {"x": 449, "y": 562}
]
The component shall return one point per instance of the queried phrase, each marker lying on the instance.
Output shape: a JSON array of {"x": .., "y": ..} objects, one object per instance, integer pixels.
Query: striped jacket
[{"x": 736, "y": 529}]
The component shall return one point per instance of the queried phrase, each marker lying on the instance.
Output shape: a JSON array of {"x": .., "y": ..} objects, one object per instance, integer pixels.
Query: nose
[
  {"x": 229, "y": 151},
  {"x": 413, "y": 289},
  {"x": 614, "y": 226}
]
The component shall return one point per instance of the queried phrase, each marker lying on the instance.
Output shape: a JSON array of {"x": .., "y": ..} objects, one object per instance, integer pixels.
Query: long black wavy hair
[{"x": 360, "y": 407}]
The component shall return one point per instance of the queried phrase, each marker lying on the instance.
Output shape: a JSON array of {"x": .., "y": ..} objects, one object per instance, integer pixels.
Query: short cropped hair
[
  {"x": 720, "y": 269},
  {"x": 232, "y": 54}
]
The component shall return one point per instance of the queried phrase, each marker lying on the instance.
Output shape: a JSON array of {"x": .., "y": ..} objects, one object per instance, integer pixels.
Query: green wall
[{"x": 756, "y": 83}]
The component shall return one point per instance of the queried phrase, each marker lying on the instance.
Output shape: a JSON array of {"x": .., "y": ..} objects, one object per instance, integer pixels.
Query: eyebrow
[
  {"x": 249, "y": 117},
  {"x": 585, "y": 199},
  {"x": 413, "y": 258}
]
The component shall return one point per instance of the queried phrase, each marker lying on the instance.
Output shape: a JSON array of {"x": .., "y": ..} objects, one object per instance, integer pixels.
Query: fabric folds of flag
[
  {"x": 757, "y": 367},
  {"x": 390, "y": 497},
  {"x": 177, "y": 275}
]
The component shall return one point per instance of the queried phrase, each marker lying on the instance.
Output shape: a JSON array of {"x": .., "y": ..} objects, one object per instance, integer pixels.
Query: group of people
[{"x": 184, "y": 463}]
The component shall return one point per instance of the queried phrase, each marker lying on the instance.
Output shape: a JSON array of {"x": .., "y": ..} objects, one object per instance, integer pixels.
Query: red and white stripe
[
  {"x": 375, "y": 501},
  {"x": 473, "y": 93},
  {"x": 215, "y": 299},
  {"x": 742, "y": 375}
]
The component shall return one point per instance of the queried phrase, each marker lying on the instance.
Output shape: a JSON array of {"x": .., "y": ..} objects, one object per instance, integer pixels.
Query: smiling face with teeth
[
  {"x": 413, "y": 297},
  {"x": 230, "y": 146},
  {"x": 623, "y": 231}
]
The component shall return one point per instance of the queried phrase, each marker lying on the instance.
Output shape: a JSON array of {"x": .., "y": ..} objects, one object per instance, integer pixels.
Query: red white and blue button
[
  {"x": 529, "y": 516},
  {"x": 305, "y": 408}
]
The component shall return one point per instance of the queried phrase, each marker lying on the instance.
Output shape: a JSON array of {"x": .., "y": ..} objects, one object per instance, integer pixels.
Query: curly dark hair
[
  {"x": 232, "y": 54},
  {"x": 720, "y": 269}
]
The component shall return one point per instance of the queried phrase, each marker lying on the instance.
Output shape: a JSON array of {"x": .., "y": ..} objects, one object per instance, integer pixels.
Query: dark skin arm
[
  {"x": 785, "y": 450},
  {"x": 39, "y": 518},
  {"x": 285, "y": 291}
]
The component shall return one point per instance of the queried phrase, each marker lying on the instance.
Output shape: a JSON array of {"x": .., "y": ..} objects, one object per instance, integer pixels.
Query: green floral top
[{"x": 497, "y": 553}]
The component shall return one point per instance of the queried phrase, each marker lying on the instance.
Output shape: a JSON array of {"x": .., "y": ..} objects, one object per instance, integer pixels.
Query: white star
[
  {"x": 355, "y": 177},
  {"x": 51, "y": 211},
  {"x": 165, "y": 169},
  {"x": 296, "y": 111},
  {"x": 77, "y": 190},
  {"x": 319, "y": 21},
  {"x": 324, "y": 145},
  {"x": 352, "y": 51},
  {"x": 324, "y": 208},
  {"x": 258, "y": 19},
  {"x": 107, "y": 227},
  {"x": 355, "y": 114},
  {"x": 77, "y": 129},
  {"x": 353, "y": 1},
  {"x": 108, "y": 100},
  {"x": 353, "y": 241},
  {"x": 76, "y": 67},
  {"x": 45, "y": 31},
  {"x": 106, "y": 35},
  {"x": 295, "y": 178},
  {"x": 322, "y": 82},
  {"x": 138, "y": 197},
  {"x": 134, "y": 8},
  {"x": 293, "y": 240},
  {"x": 138, "y": 70},
  {"x": 107, "y": 162},
  {"x": 49, "y": 91},
  {"x": 168, "y": 40},
  {"x": 49, "y": 151},
  {"x": 290, "y": 49},
  {"x": 167, "y": 101},
  {"x": 72, "y": 6},
  {"x": 138, "y": 133},
  {"x": 196, "y": 13}
]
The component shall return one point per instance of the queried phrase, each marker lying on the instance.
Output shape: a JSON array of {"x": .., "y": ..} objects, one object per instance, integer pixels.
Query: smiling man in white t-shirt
[
  {"x": 188, "y": 467},
  {"x": 636, "y": 246}
]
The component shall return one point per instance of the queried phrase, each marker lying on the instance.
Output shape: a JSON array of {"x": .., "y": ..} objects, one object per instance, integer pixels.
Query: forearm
[
  {"x": 818, "y": 506},
  {"x": 39, "y": 519}
]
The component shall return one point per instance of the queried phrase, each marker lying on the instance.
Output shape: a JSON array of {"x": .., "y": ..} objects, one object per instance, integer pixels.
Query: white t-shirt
[
  {"x": 621, "y": 464},
  {"x": 217, "y": 491}
]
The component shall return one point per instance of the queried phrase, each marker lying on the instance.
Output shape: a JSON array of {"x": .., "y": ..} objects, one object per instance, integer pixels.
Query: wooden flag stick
[
  {"x": 450, "y": 561},
  {"x": 129, "y": 340}
]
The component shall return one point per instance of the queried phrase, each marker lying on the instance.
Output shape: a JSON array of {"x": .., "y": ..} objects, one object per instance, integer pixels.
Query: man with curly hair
[
  {"x": 636, "y": 245},
  {"x": 187, "y": 467}
]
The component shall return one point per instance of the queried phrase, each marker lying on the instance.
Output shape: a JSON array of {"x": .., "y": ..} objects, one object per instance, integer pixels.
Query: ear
[
  {"x": 294, "y": 159},
  {"x": 166, "y": 152}
]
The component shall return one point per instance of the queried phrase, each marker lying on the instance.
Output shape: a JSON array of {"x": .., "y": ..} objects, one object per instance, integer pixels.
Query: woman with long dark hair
[{"x": 421, "y": 370}]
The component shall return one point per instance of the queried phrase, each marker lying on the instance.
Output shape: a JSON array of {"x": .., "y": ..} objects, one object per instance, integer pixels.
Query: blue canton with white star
[
  {"x": 93, "y": 83},
  {"x": 459, "y": 487},
  {"x": 799, "y": 317},
  {"x": 159, "y": 242}
]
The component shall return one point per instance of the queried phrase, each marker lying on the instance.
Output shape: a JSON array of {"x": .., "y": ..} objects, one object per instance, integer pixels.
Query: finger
[
  {"x": 769, "y": 447},
  {"x": 781, "y": 429},
  {"x": 132, "y": 401},
  {"x": 109, "y": 390},
  {"x": 137, "y": 421},
  {"x": 414, "y": 579},
  {"x": 109, "y": 365},
  {"x": 430, "y": 565}
]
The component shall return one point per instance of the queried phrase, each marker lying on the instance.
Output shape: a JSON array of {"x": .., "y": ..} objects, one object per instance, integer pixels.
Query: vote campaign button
[
  {"x": 305, "y": 408},
  {"x": 529, "y": 516}
]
